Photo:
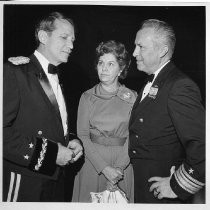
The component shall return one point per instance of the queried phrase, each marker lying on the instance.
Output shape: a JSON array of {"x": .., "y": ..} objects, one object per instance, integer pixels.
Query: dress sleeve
[
  {"x": 33, "y": 152},
  {"x": 83, "y": 131},
  {"x": 123, "y": 159},
  {"x": 188, "y": 116}
]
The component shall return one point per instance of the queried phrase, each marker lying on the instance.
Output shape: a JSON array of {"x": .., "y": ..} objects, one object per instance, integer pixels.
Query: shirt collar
[
  {"x": 158, "y": 71},
  {"x": 43, "y": 61}
]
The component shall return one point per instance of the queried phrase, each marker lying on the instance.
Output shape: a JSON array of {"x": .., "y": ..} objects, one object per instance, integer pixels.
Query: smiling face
[
  {"x": 108, "y": 69},
  {"x": 58, "y": 44},
  {"x": 147, "y": 51}
]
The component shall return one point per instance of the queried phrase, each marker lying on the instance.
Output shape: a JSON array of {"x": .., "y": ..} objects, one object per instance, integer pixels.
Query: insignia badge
[
  {"x": 19, "y": 60},
  {"x": 126, "y": 95},
  {"x": 153, "y": 92},
  {"x": 191, "y": 171}
]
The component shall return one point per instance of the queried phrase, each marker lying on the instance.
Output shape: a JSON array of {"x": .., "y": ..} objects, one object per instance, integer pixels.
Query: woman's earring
[{"x": 119, "y": 73}]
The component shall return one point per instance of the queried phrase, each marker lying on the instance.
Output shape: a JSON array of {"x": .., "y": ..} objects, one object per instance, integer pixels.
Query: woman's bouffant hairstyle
[
  {"x": 119, "y": 51},
  {"x": 47, "y": 23}
]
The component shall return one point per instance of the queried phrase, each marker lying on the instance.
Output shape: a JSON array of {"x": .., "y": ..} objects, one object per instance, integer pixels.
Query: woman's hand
[
  {"x": 111, "y": 187},
  {"x": 112, "y": 174}
]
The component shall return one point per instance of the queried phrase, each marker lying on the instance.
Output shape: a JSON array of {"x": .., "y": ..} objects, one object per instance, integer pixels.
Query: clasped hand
[
  {"x": 69, "y": 154},
  {"x": 113, "y": 175},
  {"x": 77, "y": 149}
]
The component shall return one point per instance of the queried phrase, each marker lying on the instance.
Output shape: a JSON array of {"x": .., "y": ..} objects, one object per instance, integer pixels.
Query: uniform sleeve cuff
[
  {"x": 44, "y": 158},
  {"x": 72, "y": 136},
  {"x": 183, "y": 185}
]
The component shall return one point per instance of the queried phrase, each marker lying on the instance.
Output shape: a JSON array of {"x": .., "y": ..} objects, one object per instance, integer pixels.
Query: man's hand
[
  {"x": 77, "y": 149},
  {"x": 64, "y": 155},
  {"x": 161, "y": 186}
]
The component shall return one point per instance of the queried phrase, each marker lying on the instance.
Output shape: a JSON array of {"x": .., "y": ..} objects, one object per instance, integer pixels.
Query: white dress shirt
[
  {"x": 149, "y": 84},
  {"x": 54, "y": 82}
]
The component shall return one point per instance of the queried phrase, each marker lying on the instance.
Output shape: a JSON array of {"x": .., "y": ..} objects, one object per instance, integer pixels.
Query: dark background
[{"x": 96, "y": 23}]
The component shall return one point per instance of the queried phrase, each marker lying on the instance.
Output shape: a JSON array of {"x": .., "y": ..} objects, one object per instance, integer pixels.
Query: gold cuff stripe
[
  {"x": 180, "y": 182},
  {"x": 42, "y": 154},
  {"x": 194, "y": 187},
  {"x": 183, "y": 180},
  {"x": 191, "y": 178}
]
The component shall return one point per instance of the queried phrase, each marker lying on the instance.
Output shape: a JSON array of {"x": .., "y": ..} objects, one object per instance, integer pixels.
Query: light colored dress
[{"x": 103, "y": 117}]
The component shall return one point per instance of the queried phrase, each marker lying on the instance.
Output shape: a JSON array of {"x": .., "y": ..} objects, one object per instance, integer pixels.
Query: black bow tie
[
  {"x": 150, "y": 78},
  {"x": 52, "y": 69}
]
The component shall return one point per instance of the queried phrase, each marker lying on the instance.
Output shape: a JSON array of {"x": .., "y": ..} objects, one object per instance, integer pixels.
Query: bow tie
[
  {"x": 52, "y": 69},
  {"x": 150, "y": 78}
]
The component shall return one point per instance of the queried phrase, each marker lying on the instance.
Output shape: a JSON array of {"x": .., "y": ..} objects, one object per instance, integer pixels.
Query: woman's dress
[{"x": 102, "y": 126}]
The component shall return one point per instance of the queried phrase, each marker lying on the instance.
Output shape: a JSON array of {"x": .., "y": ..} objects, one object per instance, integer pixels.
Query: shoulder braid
[{"x": 19, "y": 60}]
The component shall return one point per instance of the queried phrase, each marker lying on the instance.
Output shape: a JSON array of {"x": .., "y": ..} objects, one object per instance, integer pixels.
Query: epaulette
[{"x": 19, "y": 60}]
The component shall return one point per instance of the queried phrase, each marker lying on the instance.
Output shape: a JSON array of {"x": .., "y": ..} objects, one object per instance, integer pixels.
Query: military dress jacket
[
  {"x": 168, "y": 125},
  {"x": 32, "y": 124}
]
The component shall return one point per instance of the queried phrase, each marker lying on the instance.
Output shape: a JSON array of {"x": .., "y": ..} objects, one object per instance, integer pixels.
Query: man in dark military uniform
[
  {"x": 36, "y": 140},
  {"x": 167, "y": 124}
]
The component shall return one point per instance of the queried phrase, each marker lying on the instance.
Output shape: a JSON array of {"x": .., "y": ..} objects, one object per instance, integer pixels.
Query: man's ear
[
  {"x": 43, "y": 36},
  {"x": 163, "y": 50}
]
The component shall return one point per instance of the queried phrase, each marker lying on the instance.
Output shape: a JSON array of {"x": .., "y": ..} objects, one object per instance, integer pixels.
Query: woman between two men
[{"x": 102, "y": 126}]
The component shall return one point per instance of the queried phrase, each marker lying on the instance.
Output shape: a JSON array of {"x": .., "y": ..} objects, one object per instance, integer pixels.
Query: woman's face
[{"x": 108, "y": 69}]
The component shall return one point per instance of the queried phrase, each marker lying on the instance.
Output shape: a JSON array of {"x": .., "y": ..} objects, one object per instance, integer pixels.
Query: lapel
[
  {"x": 139, "y": 106},
  {"x": 62, "y": 90},
  {"x": 44, "y": 85}
]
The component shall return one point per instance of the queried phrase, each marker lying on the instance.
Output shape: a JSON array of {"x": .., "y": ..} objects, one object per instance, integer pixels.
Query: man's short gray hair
[{"x": 164, "y": 33}]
